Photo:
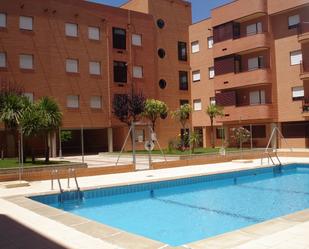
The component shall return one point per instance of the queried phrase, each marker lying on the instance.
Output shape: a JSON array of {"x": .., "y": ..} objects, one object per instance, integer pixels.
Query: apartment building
[
  {"x": 83, "y": 54},
  {"x": 259, "y": 51}
]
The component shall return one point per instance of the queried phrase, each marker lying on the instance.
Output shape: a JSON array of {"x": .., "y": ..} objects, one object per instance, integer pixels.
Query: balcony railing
[
  {"x": 306, "y": 105},
  {"x": 303, "y": 28}
]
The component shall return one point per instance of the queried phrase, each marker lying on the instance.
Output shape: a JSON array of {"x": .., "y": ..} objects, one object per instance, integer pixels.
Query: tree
[
  {"x": 195, "y": 138},
  {"x": 213, "y": 111},
  {"x": 155, "y": 109},
  {"x": 51, "y": 118},
  {"x": 240, "y": 135}
]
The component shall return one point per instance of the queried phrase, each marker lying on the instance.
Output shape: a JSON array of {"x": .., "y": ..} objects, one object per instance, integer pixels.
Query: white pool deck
[{"x": 281, "y": 233}]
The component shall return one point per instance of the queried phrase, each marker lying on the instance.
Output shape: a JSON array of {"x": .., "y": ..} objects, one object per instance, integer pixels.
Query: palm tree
[
  {"x": 51, "y": 118},
  {"x": 195, "y": 139},
  {"x": 153, "y": 110},
  {"x": 213, "y": 111}
]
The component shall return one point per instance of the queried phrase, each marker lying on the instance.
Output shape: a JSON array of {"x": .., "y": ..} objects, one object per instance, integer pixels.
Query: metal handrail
[
  {"x": 70, "y": 172},
  {"x": 55, "y": 172}
]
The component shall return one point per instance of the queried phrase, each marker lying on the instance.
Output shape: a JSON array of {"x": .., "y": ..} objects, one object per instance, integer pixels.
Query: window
[
  {"x": 296, "y": 57},
  {"x": 220, "y": 133},
  {"x": 298, "y": 93},
  {"x": 293, "y": 21},
  {"x": 72, "y": 65},
  {"x": 183, "y": 102},
  {"x": 119, "y": 38},
  {"x": 255, "y": 28},
  {"x": 2, "y": 20},
  {"x": 257, "y": 97},
  {"x": 73, "y": 101},
  {"x": 212, "y": 100},
  {"x": 29, "y": 96},
  {"x": 120, "y": 71},
  {"x": 255, "y": 63},
  {"x": 182, "y": 51},
  {"x": 137, "y": 72},
  {"x": 26, "y": 23},
  {"x": 2, "y": 59},
  {"x": 257, "y": 131},
  {"x": 139, "y": 135},
  {"x": 160, "y": 23},
  {"x": 195, "y": 47},
  {"x": 71, "y": 29},
  {"x": 96, "y": 102},
  {"x": 183, "y": 80},
  {"x": 197, "y": 105},
  {"x": 211, "y": 72},
  {"x": 161, "y": 53},
  {"x": 95, "y": 68},
  {"x": 94, "y": 33},
  {"x": 26, "y": 61},
  {"x": 136, "y": 40},
  {"x": 196, "y": 76},
  {"x": 162, "y": 83},
  {"x": 210, "y": 41}
]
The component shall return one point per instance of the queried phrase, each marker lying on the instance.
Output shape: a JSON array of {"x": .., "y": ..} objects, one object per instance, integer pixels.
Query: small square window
[
  {"x": 293, "y": 21},
  {"x": 137, "y": 72},
  {"x": 183, "y": 102},
  {"x": 196, "y": 76},
  {"x": 197, "y": 105},
  {"x": 211, "y": 72},
  {"x": 136, "y": 40},
  {"x": 2, "y": 60},
  {"x": 72, "y": 65},
  {"x": 26, "y": 23},
  {"x": 195, "y": 47},
  {"x": 95, "y": 68},
  {"x": 210, "y": 41},
  {"x": 2, "y": 20},
  {"x": 73, "y": 101},
  {"x": 94, "y": 33},
  {"x": 96, "y": 102},
  {"x": 29, "y": 96},
  {"x": 298, "y": 93},
  {"x": 212, "y": 100},
  {"x": 71, "y": 29},
  {"x": 26, "y": 61},
  {"x": 296, "y": 57}
]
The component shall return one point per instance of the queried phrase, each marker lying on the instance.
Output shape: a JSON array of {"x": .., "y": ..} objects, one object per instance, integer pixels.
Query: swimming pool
[{"x": 181, "y": 211}]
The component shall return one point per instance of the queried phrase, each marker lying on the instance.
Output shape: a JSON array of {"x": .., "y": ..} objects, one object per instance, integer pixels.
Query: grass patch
[{"x": 13, "y": 163}]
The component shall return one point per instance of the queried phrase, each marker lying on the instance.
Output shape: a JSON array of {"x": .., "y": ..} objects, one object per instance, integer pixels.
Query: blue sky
[{"x": 201, "y": 8}]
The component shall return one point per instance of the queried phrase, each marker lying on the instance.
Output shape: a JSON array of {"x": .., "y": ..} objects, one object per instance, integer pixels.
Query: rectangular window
[
  {"x": 2, "y": 59},
  {"x": 210, "y": 41},
  {"x": 197, "y": 105},
  {"x": 298, "y": 93},
  {"x": 258, "y": 131},
  {"x": 183, "y": 80},
  {"x": 182, "y": 51},
  {"x": 137, "y": 72},
  {"x": 211, "y": 72},
  {"x": 120, "y": 71},
  {"x": 119, "y": 38},
  {"x": 136, "y": 40},
  {"x": 26, "y": 61},
  {"x": 255, "y": 28},
  {"x": 296, "y": 57},
  {"x": 195, "y": 47},
  {"x": 26, "y": 23},
  {"x": 2, "y": 20},
  {"x": 293, "y": 21},
  {"x": 255, "y": 63},
  {"x": 212, "y": 100},
  {"x": 29, "y": 96},
  {"x": 72, "y": 65},
  {"x": 71, "y": 29},
  {"x": 257, "y": 97},
  {"x": 183, "y": 102},
  {"x": 94, "y": 33},
  {"x": 96, "y": 102},
  {"x": 139, "y": 135},
  {"x": 196, "y": 76},
  {"x": 220, "y": 134},
  {"x": 73, "y": 101},
  {"x": 95, "y": 68}
]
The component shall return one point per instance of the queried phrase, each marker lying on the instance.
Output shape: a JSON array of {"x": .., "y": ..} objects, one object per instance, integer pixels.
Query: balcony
[
  {"x": 303, "y": 32},
  {"x": 247, "y": 113},
  {"x": 304, "y": 71},
  {"x": 248, "y": 43},
  {"x": 238, "y": 9},
  {"x": 306, "y": 107},
  {"x": 248, "y": 78},
  {"x": 275, "y": 6}
]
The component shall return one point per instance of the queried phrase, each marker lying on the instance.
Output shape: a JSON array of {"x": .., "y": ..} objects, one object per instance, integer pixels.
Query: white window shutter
[
  {"x": 211, "y": 72},
  {"x": 73, "y": 101},
  {"x": 26, "y": 61},
  {"x": 95, "y": 68},
  {"x": 296, "y": 57},
  {"x": 136, "y": 40},
  {"x": 210, "y": 41},
  {"x": 29, "y": 96},
  {"x": 96, "y": 102},
  {"x": 72, "y": 66},
  {"x": 251, "y": 29},
  {"x": 195, "y": 47},
  {"x": 253, "y": 63},
  {"x": 94, "y": 33},
  {"x": 196, "y": 75},
  {"x": 26, "y": 22},
  {"x": 197, "y": 105},
  {"x": 2, "y": 20},
  {"x": 294, "y": 20},
  {"x": 71, "y": 29},
  {"x": 137, "y": 72},
  {"x": 2, "y": 59},
  {"x": 259, "y": 27},
  {"x": 298, "y": 92}
]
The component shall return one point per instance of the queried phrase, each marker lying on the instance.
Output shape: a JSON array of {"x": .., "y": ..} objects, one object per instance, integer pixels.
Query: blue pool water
[{"x": 186, "y": 210}]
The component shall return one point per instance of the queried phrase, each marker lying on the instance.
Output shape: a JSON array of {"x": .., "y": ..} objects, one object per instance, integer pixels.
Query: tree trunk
[
  {"x": 46, "y": 148},
  {"x": 212, "y": 133}
]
